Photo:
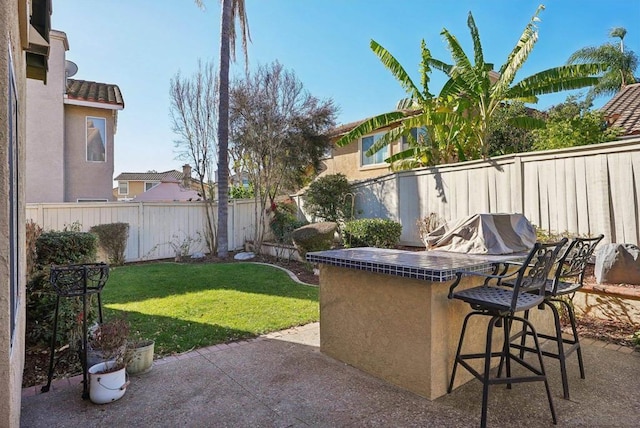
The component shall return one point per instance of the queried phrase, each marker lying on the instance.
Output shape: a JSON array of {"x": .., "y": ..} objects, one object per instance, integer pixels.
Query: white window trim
[
  {"x": 91, "y": 200},
  {"x": 106, "y": 139},
  {"x": 123, "y": 182},
  {"x": 361, "y": 153},
  {"x": 155, "y": 183}
]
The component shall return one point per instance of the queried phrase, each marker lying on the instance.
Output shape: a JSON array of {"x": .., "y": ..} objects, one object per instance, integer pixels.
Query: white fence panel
[
  {"x": 156, "y": 230},
  {"x": 583, "y": 190}
]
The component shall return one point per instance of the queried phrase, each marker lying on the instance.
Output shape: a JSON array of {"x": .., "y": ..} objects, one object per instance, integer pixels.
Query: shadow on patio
[{"x": 282, "y": 379}]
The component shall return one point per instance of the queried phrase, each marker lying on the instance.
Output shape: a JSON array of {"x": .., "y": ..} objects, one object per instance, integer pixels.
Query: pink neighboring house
[{"x": 169, "y": 190}]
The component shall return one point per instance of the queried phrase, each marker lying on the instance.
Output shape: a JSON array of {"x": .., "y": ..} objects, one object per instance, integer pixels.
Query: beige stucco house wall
[
  {"x": 45, "y": 128},
  {"x": 87, "y": 180},
  {"x": 22, "y": 52},
  {"x": 59, "y": 167},
  {"x": 347, "y": 160}
]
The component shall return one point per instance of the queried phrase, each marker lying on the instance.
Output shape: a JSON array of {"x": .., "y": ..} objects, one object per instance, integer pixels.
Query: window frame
[
  {"x": 385, "y": 152},
  {"x": 120, "y": 183},
  {"x": 104, "y": 137},
  {"x": 153, "y": 183},
  {"x": 15, "y": 246}
]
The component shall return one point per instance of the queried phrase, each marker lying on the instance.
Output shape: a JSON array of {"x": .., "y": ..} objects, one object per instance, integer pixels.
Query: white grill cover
[{"x": 484, "y": 234}]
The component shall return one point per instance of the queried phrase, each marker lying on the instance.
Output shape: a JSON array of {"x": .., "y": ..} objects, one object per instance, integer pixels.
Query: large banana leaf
[
  {"x": 392, "y": 64},
  {"x": 556, "y": 79},
  {"x": 371, "y": 125}
]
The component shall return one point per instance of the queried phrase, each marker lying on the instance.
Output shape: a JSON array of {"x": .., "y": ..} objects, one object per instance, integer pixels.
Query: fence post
[{"x": 518, "y": 201}]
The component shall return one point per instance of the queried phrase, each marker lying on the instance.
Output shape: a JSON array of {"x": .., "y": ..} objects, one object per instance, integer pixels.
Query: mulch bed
[{"x": 611, "y": 331}]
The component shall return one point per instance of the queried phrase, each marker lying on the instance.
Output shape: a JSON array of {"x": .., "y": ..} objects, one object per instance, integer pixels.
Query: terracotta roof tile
[
  {"x": 149, "y": 176},
  {"x": 623, "y": 110},
  {"x": 85, "y": 90}
]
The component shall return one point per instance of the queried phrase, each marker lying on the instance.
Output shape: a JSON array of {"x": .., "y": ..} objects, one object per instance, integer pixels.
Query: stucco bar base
[{"x": 402, "y": 330}]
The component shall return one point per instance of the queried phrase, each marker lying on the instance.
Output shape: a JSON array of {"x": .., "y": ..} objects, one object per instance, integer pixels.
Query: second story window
[
  {"x": 148, "y": 185},
  {"x": 378, "y": 157},
  {"x": 419, "y": 135},
  {"x": 96, "y": 139},
  {"x": 123, "y": 187}
]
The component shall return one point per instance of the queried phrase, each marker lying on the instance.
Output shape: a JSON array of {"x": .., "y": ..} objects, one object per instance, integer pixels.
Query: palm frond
[
  {"x": 425, "y": 69},
  {"x": 563, "y": 78},
  {"x": 369, "y": 126},
  {"x": 392, "y": 64},
  {"x": 517, "y": 58},
  {"x": 462, "y": 69},
  {"x": 477, "y": 45},
  {"x": 439, "y": 65},
  {"x": 387, "y": 139}
]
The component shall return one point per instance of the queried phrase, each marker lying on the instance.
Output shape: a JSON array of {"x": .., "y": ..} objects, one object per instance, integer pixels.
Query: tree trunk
[{"x": 223, "y": 130}]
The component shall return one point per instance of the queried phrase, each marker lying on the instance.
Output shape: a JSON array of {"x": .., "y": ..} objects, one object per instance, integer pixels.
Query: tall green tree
[
  {"x": 621, "y": 64},
  {"x": 571, "y": 124},
  {"x": 474, "y": 92},
  {"x": 233, "y": 11}
]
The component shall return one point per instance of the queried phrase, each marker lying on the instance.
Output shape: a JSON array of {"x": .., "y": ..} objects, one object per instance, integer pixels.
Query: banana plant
[
  {"x": 474, "y": 81},
  {"x": 456, "y": 121},
  {"x": 436, "y": 117}
]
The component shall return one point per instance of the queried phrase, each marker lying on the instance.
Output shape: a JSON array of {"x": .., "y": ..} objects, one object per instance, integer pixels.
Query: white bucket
[{"x": 106, "y": 387}]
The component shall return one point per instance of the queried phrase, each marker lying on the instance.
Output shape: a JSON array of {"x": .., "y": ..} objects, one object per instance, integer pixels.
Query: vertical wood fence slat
[
  {"x": 156, "y": 229},
  {"x": 583, "y": 190}
]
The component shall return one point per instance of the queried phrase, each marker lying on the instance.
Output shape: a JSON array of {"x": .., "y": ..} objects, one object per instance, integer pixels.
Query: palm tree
[
  {"x": 232, "y": 11},
  {"x": 621, "y": 65},
  {"x": 473, "y": 92}
]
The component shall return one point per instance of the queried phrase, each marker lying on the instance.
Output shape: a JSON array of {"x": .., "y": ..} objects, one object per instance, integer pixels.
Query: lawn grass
[{"x": 186, "y": 306}]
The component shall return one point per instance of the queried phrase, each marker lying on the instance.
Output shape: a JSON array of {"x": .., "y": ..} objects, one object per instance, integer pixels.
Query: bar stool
[
  {"x": 501, "y": 303},
  {"x": 567, "y": 279}
]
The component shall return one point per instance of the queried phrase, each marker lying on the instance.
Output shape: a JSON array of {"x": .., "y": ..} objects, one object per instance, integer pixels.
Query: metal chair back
[
  {"x": 532, "y": 276},
  {"x": 573, "y": 262}
]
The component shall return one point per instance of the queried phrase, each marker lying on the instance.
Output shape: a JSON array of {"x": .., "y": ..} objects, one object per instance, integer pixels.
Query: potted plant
[
  {"x": 107, "y": 379},
  {"x": 139, "y": 356}
]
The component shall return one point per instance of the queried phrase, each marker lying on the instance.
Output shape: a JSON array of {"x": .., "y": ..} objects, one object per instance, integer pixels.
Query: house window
[
  {"x": 96, "y": 139},
  {"x": 123, "y": 187},
  {"x": 13, "y": 202},
  {"x": 91, "y": 200},
  {"x": 148, "y": 185},
  {"x": 378, "y": 157},
  {"x": 418, "y": 134}
]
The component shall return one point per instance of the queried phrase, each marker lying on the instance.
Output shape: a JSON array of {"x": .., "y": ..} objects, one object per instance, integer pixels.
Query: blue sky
[{"x": 140, "y": 45}]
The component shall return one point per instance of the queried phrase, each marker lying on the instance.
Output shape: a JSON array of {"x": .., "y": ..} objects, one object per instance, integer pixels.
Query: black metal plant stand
[{"x": 79, "y": 280}]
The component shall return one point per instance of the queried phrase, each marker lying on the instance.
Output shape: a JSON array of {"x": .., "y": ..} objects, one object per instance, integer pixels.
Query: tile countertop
[{"x": 439, "y": 266}]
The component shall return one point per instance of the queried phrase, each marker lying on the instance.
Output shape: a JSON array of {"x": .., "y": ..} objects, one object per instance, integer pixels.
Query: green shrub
[
  {"x": 61, "y": 248},
  {"x": 238, "y": 191},
  {"x": 32, "y": 232},
  {"x": 330, "y": 198},
  {"x": 314, "y": 237},
  {"x": 41, "y": 304},
  {"x": 284, "y": 221},
  {"x": 112, "y": 238},
  {"x": 371, "y": 232},
  {"x": 58, "y": 248}
]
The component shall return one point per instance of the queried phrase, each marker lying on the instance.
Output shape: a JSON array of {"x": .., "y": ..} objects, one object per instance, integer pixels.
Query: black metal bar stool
[
  {"x": 567, "y": 279},
  {"x": 501, "y": 303},
  {"x": 76, "y": 280}
]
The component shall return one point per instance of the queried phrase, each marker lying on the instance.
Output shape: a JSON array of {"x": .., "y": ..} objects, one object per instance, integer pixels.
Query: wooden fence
[
  {"x": 155, "y": 229},
  {"x": 581, "y": 190}
]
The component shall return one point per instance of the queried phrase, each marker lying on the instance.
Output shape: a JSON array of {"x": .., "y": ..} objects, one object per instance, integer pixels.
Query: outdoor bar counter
[{"x": 386, "y": 312}]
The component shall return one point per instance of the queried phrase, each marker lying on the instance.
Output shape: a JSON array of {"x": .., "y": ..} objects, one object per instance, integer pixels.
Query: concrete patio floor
[{"x": 282, "y": 380}]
